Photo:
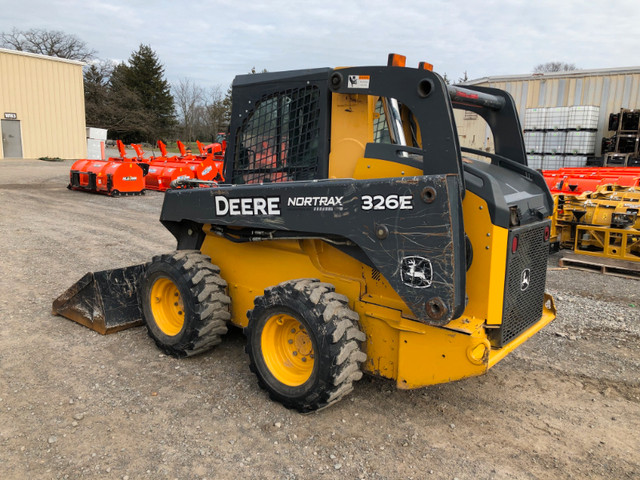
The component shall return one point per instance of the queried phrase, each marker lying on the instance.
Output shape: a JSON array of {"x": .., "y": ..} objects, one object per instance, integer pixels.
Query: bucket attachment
[{"x": 106, "y": 301}]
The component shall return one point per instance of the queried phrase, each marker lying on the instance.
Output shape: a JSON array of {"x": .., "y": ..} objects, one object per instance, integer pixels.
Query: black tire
[
  {"x": 316, "y": 313},
  {"x": 185, "y": 304}
]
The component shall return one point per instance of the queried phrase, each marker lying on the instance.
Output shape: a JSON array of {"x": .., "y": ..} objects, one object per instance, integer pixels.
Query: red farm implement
[{"x": 575, "y": 181}]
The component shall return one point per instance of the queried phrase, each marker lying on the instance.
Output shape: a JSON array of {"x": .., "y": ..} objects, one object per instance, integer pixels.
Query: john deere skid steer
[{"x": 354, "y": 236}]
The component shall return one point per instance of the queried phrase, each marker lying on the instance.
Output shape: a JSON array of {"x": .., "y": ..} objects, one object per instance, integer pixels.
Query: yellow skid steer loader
[{"x": 354, "y": 235}]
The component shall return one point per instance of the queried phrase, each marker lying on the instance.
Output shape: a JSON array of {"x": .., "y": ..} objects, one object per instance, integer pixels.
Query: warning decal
[{"x": 359, "y": 81}]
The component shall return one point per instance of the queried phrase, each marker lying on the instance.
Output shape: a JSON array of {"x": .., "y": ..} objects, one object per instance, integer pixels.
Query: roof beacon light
[
  {"x": 396, "y": 60},
  {"x": 425, "y": 66}
]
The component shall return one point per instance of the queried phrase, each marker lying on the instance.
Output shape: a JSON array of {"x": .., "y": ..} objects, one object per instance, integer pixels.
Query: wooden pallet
[{"x": 607, "y": 266}]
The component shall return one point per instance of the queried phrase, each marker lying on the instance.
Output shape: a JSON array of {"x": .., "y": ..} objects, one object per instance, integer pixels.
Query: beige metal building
[
  {"x": 41, "y": 106},
  {"x": 609, "y": 89}
]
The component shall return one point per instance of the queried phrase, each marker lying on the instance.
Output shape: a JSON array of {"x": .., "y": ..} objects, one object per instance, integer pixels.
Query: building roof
[
  {"x": 550, "y": 75},
  {"x": 43, "y": 57}
]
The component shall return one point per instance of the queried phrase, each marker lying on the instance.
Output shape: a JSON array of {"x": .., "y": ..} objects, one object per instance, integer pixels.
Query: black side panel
[
  {"x": 504, "y": 184},
  {"x": 411, "y": 229}
]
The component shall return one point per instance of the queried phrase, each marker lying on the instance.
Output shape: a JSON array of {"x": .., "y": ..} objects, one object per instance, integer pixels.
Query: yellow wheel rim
[
  {"x": 167, "y": 306},
  {"x": 287, "y": 350}
]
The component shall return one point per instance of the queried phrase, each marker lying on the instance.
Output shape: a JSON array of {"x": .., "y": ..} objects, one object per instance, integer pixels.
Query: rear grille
[{"x": 523, "y": 306}]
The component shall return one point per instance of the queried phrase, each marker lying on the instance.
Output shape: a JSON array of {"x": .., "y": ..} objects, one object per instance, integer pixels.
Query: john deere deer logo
[
  {"x": 525, "y": 279},
  {"x": 416, "y": 272}
]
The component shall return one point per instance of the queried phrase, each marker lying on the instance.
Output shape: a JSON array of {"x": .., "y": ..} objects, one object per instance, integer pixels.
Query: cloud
[{"x": 211, "y": 41}]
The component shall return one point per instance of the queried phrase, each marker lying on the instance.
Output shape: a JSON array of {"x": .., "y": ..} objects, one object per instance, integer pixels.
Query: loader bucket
[{"x": 105, "y": 301}]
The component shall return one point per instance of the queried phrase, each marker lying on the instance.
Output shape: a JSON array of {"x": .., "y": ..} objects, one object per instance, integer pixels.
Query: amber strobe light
[{"x": 396, "y": 60}]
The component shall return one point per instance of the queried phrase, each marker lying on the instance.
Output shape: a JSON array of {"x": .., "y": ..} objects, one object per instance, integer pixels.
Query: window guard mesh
[{"x": 279, "y": 141}]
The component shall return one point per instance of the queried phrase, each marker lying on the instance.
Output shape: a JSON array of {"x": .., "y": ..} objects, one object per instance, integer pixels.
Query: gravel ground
[{"x": 75, "y": 404}]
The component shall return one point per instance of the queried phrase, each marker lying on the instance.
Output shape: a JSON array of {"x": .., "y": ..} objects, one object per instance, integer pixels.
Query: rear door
[{"x": 11, "y": 138}]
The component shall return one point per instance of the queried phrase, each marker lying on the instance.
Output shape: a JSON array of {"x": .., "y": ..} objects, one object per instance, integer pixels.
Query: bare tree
[
  {"x": 554, "y": 67},
  {"x": 188, "y": 97},
  {"x": 216, "y": 117},
  {"x": 463, "y": 78},
  {"x": 53, "y": 43}
]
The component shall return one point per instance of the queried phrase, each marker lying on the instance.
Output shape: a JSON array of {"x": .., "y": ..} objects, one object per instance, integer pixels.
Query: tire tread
[
  {"x": 338, "y": 325},
  {"x": 211, "y": 303}
]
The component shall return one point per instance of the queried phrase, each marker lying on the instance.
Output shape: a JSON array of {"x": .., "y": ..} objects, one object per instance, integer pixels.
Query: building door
[{"x": 11, "y": 138}]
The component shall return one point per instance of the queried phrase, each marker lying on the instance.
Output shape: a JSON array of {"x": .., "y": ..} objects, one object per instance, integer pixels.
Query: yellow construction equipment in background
[{"x": 603, "y": 223}]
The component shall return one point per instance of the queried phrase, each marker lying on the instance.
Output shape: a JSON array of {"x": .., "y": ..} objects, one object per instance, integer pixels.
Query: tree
[
  {"x": 227, "y": 102},
  {"x": 96, "y": 93},
  {"x": 463, "y": 78},
  {"x": 188, "y": 98},
  {"x": 142, "y": 82},
  {"x": 53, "y": 43},
  {"x": 133, "y": 101},
  {"x": 217, "y": 112},
  {"x": 124, "y": 114},
  {"x": 554, "y": 67}
]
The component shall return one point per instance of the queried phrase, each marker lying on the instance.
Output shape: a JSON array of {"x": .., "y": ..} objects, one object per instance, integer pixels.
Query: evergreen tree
[
  {"x": 96, "y": 95},
  {"x": 226, "y": 103},
  {"x": 125, "y": 113},
  {"x": 133, "y": 101},
  {"x": 145, "y": 76}
]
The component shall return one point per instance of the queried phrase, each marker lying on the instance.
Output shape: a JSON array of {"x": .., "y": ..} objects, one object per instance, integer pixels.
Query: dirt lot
[{"x": 76, "y": 404}]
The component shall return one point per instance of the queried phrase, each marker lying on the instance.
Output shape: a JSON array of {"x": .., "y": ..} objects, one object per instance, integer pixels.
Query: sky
[{"x": 209, "y": 42}]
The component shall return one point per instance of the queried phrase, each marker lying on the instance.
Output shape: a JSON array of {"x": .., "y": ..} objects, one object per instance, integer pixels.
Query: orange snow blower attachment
[
  {"x": 161, "y": 174},
  {"x": 215, "y": 149},
  {"x": 206, "y": 168},
  {"x": 215, "y": 152},
  {"x": 106, "y": 176},
  {"x": 164, "y": 169},
  {"x": 139, "y": 159}
]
